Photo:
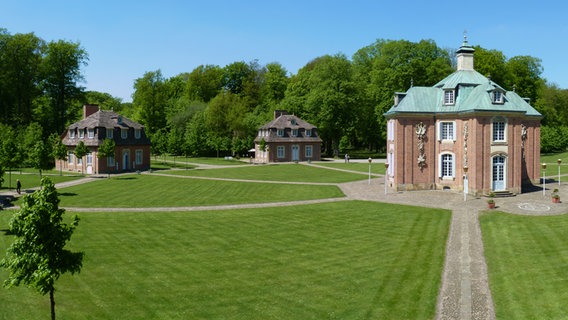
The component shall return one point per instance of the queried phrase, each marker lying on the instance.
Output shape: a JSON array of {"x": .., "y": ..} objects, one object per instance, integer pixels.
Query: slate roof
[
  {"x": 288, "y": 121},
  {"x": 105, "y": 119},
  {"x": 473, "y": 94}
]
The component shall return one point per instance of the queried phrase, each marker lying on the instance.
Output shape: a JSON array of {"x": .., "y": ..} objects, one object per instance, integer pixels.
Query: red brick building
[
  {"x": 465, "y": 126},
  {"x": 287, "y": 138},
  {"x": 132, "y": 150}
]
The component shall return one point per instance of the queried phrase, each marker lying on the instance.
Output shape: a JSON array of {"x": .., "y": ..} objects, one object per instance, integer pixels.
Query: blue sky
[{"x": 125, "y": 39}]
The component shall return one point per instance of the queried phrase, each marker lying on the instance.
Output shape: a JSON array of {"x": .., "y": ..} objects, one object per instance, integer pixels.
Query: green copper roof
[{"x": 473, "y": 92}]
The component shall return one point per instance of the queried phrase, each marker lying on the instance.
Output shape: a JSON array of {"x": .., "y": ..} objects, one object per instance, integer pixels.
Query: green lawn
[
  {"x": 527, "y": 258},
  {"x": 148, "y": 190},
  {"x": 31, "y": 180},
  {"x": 221, "y": 161},
  {"x": 376, "y": 168},
  {"x": 277, "y": 172},
  {"x": 346, "y": 260}
]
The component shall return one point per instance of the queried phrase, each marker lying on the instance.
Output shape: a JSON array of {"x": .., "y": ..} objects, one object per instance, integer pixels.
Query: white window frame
[
  {"x": 70, "y": 156},
  {"x": 447, "y": 131},
  {"x": 280, "y": 152},
  {"x": 81, "y": 133},
  {"x": 123, "y": 133},
  {"x": 90, "y": 133},
  {"x": 309, "y": 151},
  {"x": 308, "y": 132},
  {"x": 138, "y": 155},
  {"x": 499, "y": 130},
  {"x": 72, "y": 133},
  {"x": 109, "y": 132},
  {"x": 447, "y": 166},
  {"x": 89, "y": 158},
  {"x": 449, "y": 97},
  {"x": 137, "y": 133},
  {"x": 294, "y": 132},
  {"x": 280, "y": 132},
  {"x": 390, "y": 130},
  {"x": 498, "y": 97}
]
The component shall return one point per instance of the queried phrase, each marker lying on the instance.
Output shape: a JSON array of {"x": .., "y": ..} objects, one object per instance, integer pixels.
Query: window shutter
[
  {"x": 454, "y": 130},
  {"x": 440, "y": 166},
  {"x": 453, "y": 166}
]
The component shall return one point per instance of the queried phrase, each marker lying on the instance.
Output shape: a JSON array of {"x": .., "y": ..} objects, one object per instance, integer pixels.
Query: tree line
[{"x": 214, "y": 110}]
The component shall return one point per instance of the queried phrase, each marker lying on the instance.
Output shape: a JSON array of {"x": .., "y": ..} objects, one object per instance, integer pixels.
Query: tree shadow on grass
[
  {"x": 67, "y": 194},
  {"x": 125, "y": 178}
]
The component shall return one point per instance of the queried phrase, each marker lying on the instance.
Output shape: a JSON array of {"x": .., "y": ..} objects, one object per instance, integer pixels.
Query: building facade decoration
[
  {"x": 523, "y": 138},
  {"x": 421, "y": 135},
  {"x": 465, "y": 135}
]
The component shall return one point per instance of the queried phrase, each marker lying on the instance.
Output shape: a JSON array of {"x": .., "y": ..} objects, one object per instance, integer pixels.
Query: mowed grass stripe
[
  {"x": 290, "y": 172},
  {"x": 141, "y": 191},
  {"x": 527, "y": 260},
  {"x": 347, "y": 260}
]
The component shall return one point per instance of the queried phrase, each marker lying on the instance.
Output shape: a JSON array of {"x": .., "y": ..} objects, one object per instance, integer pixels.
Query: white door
[
  {"x": 499, "y": 173},
  {"x": 295, "y": 153}
]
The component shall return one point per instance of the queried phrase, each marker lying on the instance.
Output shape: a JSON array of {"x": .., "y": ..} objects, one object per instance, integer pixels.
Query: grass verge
[
  {"x": 347, "y": 260},
  {"x": 290, "y": 172},
  {"x": 527, "y": 258},
  {"x": 159, "y": 191}
]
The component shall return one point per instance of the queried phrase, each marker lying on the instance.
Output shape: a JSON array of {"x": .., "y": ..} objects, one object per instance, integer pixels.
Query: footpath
[{"x": 465, "y": 292}]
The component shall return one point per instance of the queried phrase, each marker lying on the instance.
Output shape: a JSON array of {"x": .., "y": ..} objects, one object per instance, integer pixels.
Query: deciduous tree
[{"x": 37, "y": 257}]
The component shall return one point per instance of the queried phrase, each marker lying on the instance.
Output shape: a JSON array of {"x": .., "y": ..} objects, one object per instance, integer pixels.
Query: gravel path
[{"x": 465, "y": 292}]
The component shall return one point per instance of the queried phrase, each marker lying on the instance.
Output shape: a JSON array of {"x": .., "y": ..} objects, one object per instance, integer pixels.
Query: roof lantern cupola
[{"x": 465, "y": 55}]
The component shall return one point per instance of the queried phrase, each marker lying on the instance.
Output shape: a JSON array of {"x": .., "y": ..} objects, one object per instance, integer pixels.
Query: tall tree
[
  {"x": 150, "y": 100},
  {"x": 10, "y": 155},
  {"x": 397, "y": 65},
  {"x": 20, "y": 60},
  {"x": 37, "y": 257},
  {"x": 491, "y": 63},
  {"x": 62, "y": 75},
  {"x": 204, "y": 82},
  {"x": 525, "y": 76}
]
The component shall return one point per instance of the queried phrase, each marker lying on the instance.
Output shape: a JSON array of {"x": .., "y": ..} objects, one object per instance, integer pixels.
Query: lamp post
[
  {"x": 370, "y": 160},
  {"x": 544, "y": 179},
  {"x": 386, "y": 176},
  {"x": 559, "y": 162},
  {"x": 465, "y": 183}
]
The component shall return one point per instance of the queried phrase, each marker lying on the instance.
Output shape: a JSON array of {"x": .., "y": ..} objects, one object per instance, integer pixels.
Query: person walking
[{"x": 18, "y": 186}]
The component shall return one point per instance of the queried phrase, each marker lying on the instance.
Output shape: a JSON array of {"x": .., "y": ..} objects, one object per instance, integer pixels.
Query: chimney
[
  {"x": 89, "y": 109},
  {"x": 278, "y": 113}
]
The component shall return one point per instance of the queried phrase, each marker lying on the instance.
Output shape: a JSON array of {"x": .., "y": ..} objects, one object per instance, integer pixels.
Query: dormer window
[
  {"x": 280, "y": 132},
  {"x": 449, "y": 97},
  {"x": 498, "y": 97},
  {"x": 81, "y": 133},
  {"x": 72, "y": 133},
  {"x": 137, "y": 133},
  {"x": 294, "y": 132},
  {"x": 308, "y": 132},
  {"x": 91, "y": 133}
]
